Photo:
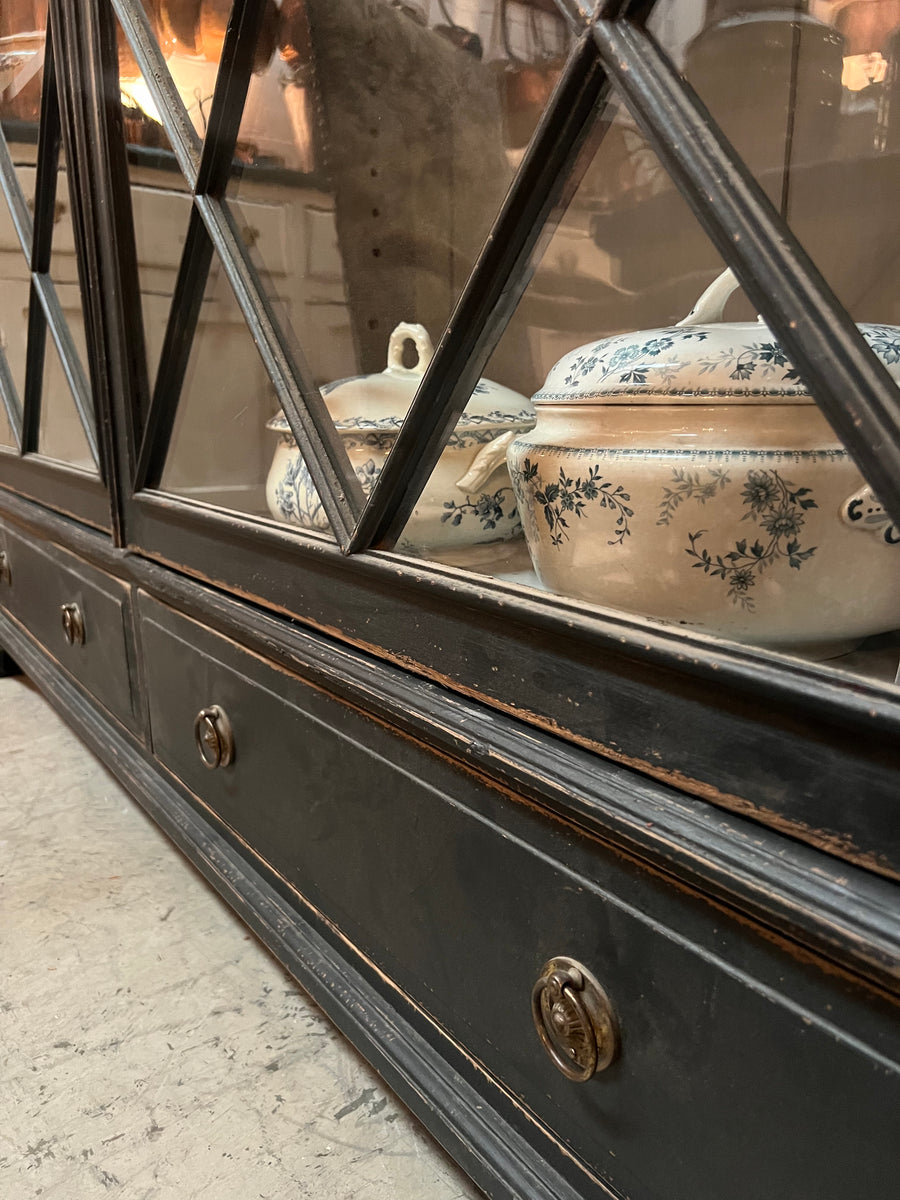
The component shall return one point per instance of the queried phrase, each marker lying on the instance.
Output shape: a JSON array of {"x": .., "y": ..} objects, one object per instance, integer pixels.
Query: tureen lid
[
  {"x": 380, "y": 402},
  {"x": 701, "y": 360}
]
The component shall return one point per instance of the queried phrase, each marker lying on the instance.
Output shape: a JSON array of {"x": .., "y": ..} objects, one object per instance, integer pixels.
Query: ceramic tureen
[
  {"x": 468, "y": 500},
  {"x": 686, "y": 474}
]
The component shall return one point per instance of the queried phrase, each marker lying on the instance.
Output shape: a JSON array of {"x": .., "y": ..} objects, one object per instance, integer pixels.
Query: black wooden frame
[
  {"x": 45, "y": 313},
  {"x": 614, "y": 51},
  {"x": 431, "y": 619},
  {"x": 614, "y": 54}
]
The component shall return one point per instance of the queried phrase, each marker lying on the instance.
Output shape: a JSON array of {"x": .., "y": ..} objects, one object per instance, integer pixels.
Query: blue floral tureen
[
  {"x": 686, "y": 473},
  {"x": 468, "y": 500}
]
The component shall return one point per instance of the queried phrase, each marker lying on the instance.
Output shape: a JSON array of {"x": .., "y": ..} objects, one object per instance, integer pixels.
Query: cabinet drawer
[
  {"x": 732, "y": 1080},
  {"x": 41, "y": 581}
]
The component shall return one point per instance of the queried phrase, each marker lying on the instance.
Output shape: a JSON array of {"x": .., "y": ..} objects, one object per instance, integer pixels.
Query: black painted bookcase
[{"x": 612, "y": 906}]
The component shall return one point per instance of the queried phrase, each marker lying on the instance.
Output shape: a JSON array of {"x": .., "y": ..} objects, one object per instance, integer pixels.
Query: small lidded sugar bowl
[
  {"x": 468, "y": 500},
  {"x": 687, "y": 474}
]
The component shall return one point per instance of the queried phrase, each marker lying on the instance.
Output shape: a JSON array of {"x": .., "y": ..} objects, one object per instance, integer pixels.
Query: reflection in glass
[
  {"x": 64, "y": 261},
  {"x": 467, "y": 510},
  {"x": 14, "y": 290},
  {"x": 61, "y": 433},
  {"x": 808, "y": 96},
  {"x": 220, "y": 449},
  {"x": 160, "y": 200},
  {"x": 375, "y": 149},
  {"x": 6, "y": 433},
  {"x": 190, "y": 34},
  {"x": 23, "y": 25},
  {"x": 22, "y": 45}
]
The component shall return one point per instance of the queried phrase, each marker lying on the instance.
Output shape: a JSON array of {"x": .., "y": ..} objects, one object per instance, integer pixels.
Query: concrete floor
[{"x": 150, "y": 1047}]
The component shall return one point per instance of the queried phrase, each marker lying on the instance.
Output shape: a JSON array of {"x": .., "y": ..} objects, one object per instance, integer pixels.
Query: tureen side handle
[
  {"x": 424, "y": 348},
  {"x": 863, "y": 510},
  {"x": 486, "y": 462},
  {"x": 710, "y": 308}
]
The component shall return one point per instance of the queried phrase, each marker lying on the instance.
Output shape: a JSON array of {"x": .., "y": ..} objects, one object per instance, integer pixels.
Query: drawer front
[
  {"x": 726, "y": 1083},
  {"x": 41, "y": 580}
]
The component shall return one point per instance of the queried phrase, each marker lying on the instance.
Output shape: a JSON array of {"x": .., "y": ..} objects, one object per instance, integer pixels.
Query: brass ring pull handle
[
  {"x": 574, "y": 1019},
  {"x": 214, "y": 737},
  {"x": 73, "y": 624},
  {"x": 5, "y": 572}
]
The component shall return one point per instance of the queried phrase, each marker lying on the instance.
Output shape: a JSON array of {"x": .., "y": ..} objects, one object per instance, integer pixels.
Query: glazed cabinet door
[
  {"x": 461, "y": 300},
  {"x": 50, "y": 445}
]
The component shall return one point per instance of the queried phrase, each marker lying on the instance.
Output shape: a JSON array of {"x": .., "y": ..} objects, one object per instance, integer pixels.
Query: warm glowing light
[
  {"x": 136, "y": 94},
  {"x": 860, "y": 70}
]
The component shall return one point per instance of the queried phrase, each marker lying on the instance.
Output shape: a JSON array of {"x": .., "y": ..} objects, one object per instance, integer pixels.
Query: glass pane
[
  {"x": 14, "y": 291},
  {"x": 681, "y": 471},
  {"x": 376, "y": 147},
  {"x": 7, "y": 437},
  {"x": 14, "y": 274},
  {"x": 190, "y": 34},
  {"x": 23, "y": 25},
  {"x": 160, "y": 200},
  {"x": 221, "y": 449},
  {"x": 64, "y": 262},
  {"x": 61, "y": 433},
  {"x": 809, "y": 94}
]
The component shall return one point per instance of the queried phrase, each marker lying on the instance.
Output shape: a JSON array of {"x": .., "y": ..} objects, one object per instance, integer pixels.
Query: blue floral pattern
[
  {"x": 487, "y": 508},
  {"x": 388, "y": 426},
  {"x": 632, "y": 362},
  {"x": 298, "y": 501},
  {"x": 733, "y": 362},
  {"x": 688, "y": 485},
  {"x": 884, "y": 340},
  {"x": 760, "y": 359},
  {"x": 778, "y": 508},
  {"x": 497, "y": 417},
  {"x": 565, "y": 498},
  {"x": 383, "y": 440}
]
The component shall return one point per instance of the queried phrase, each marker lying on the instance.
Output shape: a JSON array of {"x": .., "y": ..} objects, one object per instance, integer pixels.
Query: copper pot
[
  {"x": 213, "y": 21},
  {"x": 525, "y": 90}
]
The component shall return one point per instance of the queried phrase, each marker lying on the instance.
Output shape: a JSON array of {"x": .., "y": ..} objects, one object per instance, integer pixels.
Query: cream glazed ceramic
[
  {"x": 468, "y": 501},
  {"x": 686, "y": 474}
]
